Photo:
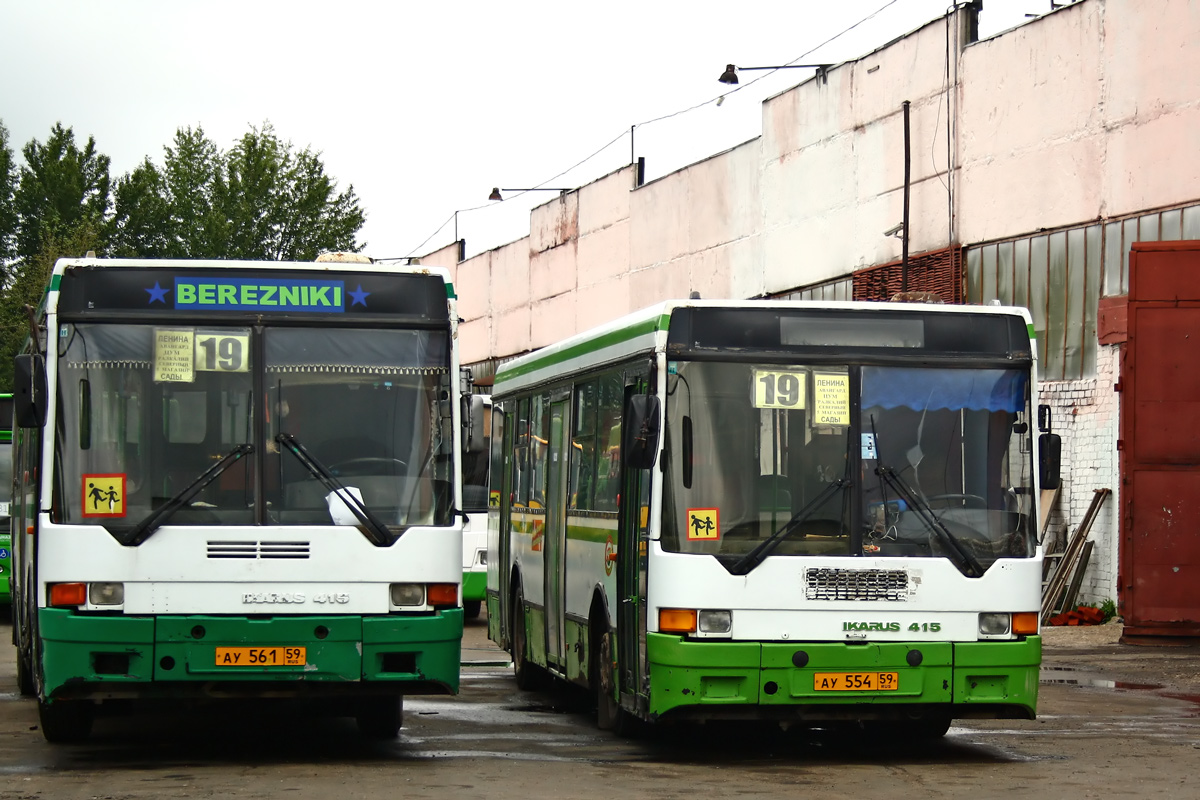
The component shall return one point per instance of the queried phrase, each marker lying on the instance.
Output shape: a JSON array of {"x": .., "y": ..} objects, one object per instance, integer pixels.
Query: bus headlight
[
  {"x": 408, "y": 594},
  {"x": 715, "y": 621},
  {"x": 991, "y": 624},
  {"x": 106, "y": 594}
]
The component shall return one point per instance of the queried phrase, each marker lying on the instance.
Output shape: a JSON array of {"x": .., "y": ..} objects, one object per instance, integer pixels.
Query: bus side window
[
  {"x": 583, "y": 450},
  {"x": 521, "y": 455},
  {"x": 608, "y": 468},
  {"x": 539, "y": 438}
]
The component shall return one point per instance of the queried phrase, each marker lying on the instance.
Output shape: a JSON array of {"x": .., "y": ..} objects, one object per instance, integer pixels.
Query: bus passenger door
[
  {"x": 631, "y": 566},
  {"x": 556, "y": 529}
]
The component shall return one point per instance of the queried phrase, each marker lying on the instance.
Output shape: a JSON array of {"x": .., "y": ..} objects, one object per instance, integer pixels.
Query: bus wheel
[
  {"x": 380, "y": 717},
  {"x": 65, "y": 721},
  {"x": 24, "y": 675},
  {"x": 471, "y": 608},
  {"x": 609, "y": 714},
  {"x": 608, "y": 710},
  {"x": 528, "y": 675}
]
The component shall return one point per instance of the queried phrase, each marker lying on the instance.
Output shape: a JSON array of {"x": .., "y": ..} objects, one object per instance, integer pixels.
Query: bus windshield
[
  {"x": 848, "y": 461},
  {"x": 144, "y": 410}
]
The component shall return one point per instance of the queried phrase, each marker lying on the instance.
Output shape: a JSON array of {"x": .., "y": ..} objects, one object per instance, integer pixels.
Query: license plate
[
  {"x": 856, "y": 681},
  {"x": 261, "y": 656}
]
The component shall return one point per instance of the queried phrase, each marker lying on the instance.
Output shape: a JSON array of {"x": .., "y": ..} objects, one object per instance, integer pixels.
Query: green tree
[
  {"x": 8, "y": 212},
  {"x": 61, "y": 186},
  {"x": 261, "y": 200},
  {"x": 27, "y": 286}
]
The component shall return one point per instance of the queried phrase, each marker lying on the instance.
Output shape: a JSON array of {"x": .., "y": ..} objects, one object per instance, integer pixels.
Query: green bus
[
  {"x": 775, "y": 511},
  {"x": 5, "y": 496}
]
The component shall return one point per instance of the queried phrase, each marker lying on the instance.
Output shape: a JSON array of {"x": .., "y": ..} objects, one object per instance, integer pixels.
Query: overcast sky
[{"x": 425, "y": 105}]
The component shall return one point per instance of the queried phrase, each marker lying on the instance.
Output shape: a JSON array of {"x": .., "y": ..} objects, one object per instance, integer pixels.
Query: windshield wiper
[
  {"x": 759, "y": 554},
  {"x": 373, "y": 528},
  {"x": 158, "y": 516},
  {"x": 966, "y": 563}
]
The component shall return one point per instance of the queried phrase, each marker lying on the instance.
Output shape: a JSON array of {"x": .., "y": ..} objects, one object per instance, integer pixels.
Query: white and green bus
[
  {"x": 476, "y": 466},
  {"x": 804, "y": 513},
  {"x": 238, "y": 480}
]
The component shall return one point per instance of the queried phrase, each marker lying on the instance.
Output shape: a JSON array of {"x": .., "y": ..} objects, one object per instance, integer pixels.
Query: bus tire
[
  {"x": 471, "y": 608},
  {"x": 529, "y": 676},
  {"x": 380, "y": 717},
  {"x": 24, "y": 675},
  {"x": 608, "y": 710},
  {"x": 65, "y": 721},
  {"x": 609, "y": 714}
]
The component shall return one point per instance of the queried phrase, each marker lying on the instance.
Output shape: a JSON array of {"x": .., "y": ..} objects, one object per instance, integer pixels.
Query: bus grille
[
  {"x": 824, "y": 583},
  {"x": 234, "y": 549}
]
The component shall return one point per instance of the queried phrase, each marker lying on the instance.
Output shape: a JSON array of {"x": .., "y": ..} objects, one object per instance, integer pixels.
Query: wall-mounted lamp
[
  {"x": 731, "y": 71},
  {"x": 495, "y": 195}
]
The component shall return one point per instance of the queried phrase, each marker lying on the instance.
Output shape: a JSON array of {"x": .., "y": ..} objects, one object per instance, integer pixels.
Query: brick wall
[{"x": 1086, "y": 416}]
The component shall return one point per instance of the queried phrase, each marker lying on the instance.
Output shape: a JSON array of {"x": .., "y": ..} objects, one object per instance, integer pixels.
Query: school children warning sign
[{"x": 104, "y": 495}]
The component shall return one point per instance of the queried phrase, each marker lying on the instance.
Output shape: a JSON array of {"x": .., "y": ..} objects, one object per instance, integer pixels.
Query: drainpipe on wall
[{"x": 904, "y": 222}]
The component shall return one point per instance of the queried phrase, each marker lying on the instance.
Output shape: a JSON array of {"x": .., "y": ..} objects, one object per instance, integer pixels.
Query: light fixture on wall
[
  {"x": 495, "y": 195},
  {"x": 731, "y": 71}
]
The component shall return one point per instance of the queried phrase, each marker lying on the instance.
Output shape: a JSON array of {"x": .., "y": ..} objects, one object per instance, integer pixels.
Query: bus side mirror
[
  {"x": 473, "y": 440},
  {"x": 29, "y": 391},
  {"x": 1049, "y": 452},
  {"x": 639, "y": 439}
]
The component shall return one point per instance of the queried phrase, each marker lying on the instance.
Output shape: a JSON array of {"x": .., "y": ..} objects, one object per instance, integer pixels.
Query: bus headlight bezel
[
  {"x": 714, "y": 622},
  {"x": 993, "y": 625},
  {"x": 407, "y": 595}
]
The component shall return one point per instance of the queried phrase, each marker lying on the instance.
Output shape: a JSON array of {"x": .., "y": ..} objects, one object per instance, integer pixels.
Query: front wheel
[
  {"x": 380, "y": 717},
  {"x": 65, "y": 721},
  {"x": 528, "y": 675},
  {"x": 24, "y": 675},
  {"x": 609, "y": 714}
]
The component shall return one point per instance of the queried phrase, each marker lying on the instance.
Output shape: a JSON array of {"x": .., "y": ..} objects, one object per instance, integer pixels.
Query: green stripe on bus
[
  {"x": 591, "y": 345},
  {"x": 581, "y": 533},
  {"x": 1032, "y": 332}
]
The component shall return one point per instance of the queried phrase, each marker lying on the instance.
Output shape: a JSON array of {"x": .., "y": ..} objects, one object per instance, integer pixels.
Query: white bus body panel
[
  {"x": 769, "y": 604},
  {"x": 180, "y": 569}
]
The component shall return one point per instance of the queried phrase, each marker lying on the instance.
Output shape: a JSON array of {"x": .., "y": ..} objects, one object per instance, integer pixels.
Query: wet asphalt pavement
[{"x": 1095, "y": 737}]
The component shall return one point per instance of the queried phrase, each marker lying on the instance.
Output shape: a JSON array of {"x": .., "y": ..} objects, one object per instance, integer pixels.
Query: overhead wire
[{"x": 714, "y": 100}]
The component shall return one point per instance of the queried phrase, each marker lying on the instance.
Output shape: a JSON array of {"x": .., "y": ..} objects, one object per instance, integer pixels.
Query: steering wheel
[
  {"x": 961, "y": 500},
  {"x": 370, "y": 465}
]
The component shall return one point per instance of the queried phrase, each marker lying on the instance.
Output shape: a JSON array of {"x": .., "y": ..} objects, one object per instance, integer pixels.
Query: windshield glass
[
  {"x": 366, "y": 404},
  {"x": 144, "y": 410},
  {"x": 754, "y": 449},
  {"x": 746, "y": 452},
  {"x": 958, "y": 443}
]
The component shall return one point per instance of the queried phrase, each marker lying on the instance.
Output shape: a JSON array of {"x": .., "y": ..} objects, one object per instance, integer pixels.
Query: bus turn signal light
[
  {"x": 1025, "y": 622},
  {"x": 442, "y": 595},
  {"x": 677, "y": 620},
  {"x": 68, "y": 594}
]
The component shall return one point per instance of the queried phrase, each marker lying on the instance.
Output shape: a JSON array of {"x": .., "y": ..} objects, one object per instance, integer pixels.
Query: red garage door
[{"x": 1160, "y": 431}]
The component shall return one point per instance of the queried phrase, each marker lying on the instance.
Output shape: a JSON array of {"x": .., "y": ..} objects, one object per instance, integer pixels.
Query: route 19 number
[
  {"x": 222, "y": 352},
  {"x": 779, "y": 389}
]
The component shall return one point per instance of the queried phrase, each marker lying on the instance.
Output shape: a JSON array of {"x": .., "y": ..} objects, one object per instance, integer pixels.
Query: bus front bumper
[
  {"x": 799, "y": 681},
  {"x": 84, "y": 655}
]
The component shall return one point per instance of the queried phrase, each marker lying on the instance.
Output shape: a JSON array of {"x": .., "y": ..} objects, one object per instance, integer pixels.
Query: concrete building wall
[{"x": 1088, "y": 114}]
